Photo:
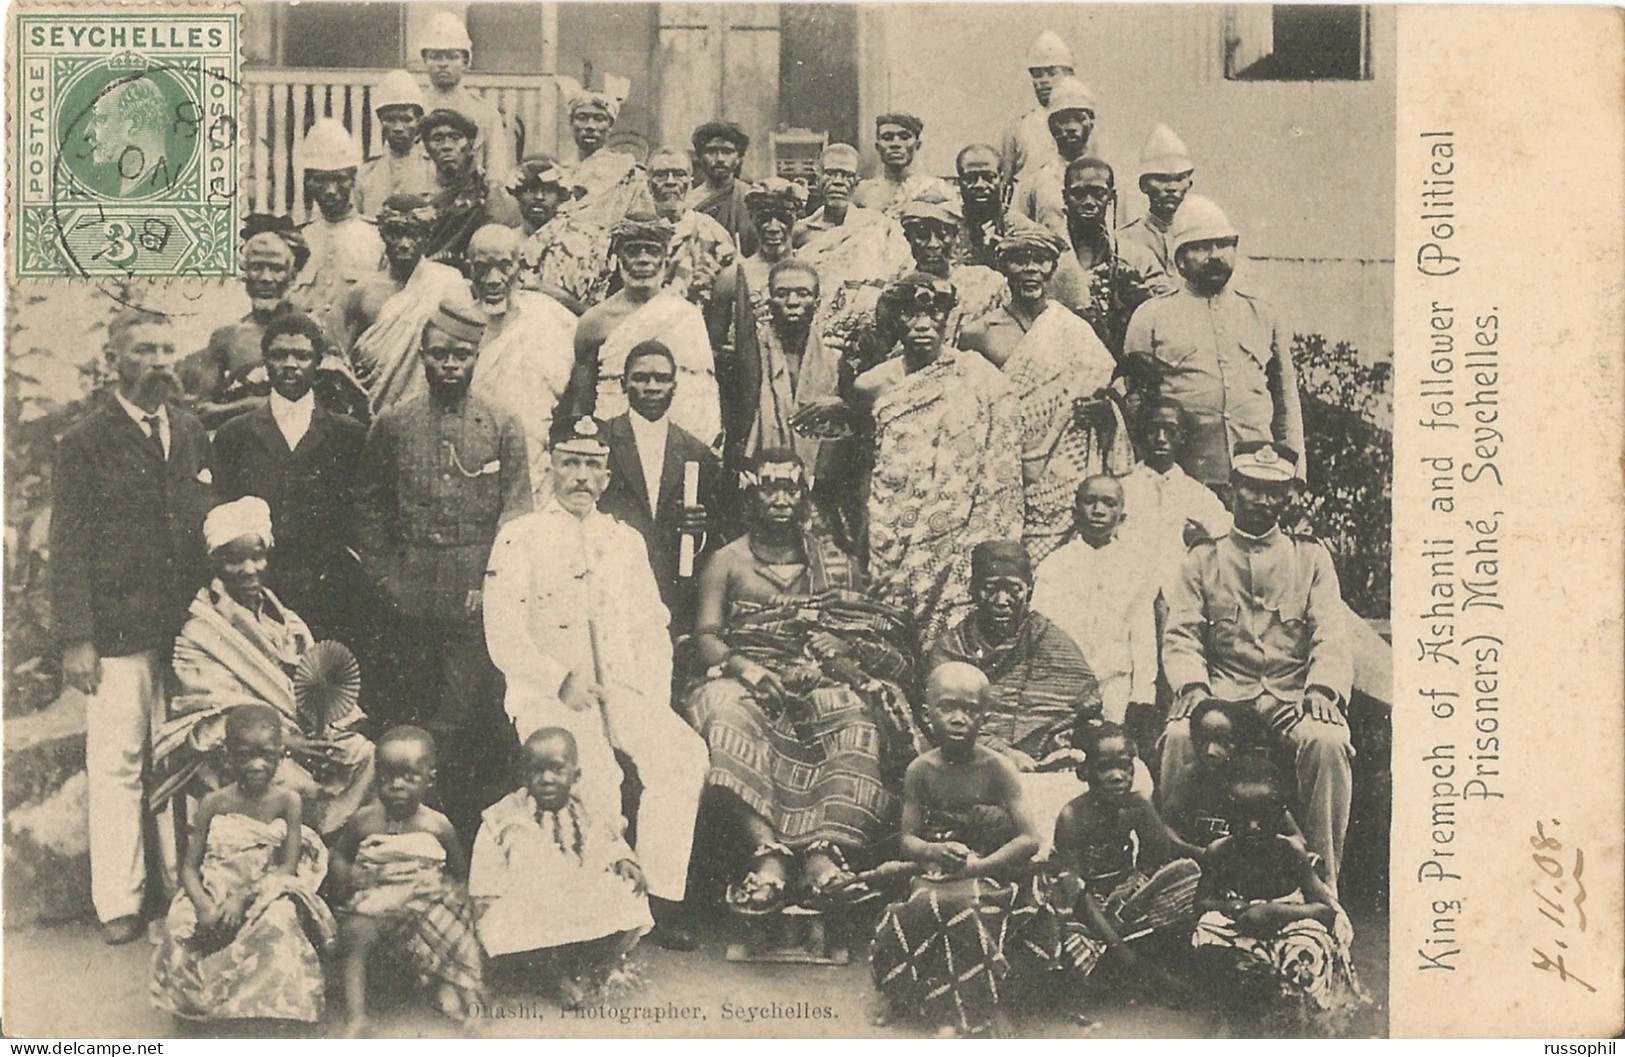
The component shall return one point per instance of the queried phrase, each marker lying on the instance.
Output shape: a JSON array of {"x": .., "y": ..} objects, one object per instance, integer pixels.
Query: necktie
[{"x": 151, "y": 422}]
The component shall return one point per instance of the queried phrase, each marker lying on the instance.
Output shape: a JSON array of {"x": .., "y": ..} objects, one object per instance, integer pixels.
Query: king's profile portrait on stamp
[{"x": 127, "y": 144}]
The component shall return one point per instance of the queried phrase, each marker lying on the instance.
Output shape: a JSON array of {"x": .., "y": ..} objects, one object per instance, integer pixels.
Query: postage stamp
[{"x": 125, "y": 144}]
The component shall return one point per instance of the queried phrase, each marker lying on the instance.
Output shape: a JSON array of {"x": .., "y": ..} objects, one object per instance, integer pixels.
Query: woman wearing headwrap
[{"x": 241, "y": 645}]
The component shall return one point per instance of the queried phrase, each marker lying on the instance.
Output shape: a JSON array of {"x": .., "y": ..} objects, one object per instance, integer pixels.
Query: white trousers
[
  {"x": 117, "y": 720},
  {"x": 671, "y": 759}
]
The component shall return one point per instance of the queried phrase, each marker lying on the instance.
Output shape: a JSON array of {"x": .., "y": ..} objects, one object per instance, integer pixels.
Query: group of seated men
[{"x": 708, "y": 478}]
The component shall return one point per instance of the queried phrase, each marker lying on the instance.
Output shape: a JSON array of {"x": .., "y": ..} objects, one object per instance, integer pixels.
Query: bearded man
[{"x": 720, "y": 146}]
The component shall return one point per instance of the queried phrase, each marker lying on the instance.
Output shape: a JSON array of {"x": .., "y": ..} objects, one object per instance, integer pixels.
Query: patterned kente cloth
[
  {"x": 824, "y": 766},
  {"x": 849, "y": 325},
  {"x": 946, "y": 951},
  {"x": 1041, "y": 683},
  {"x": 427, "y": 918},
  {"x": 1162, "y": 904},
  {"x": 1309, "y": 964},
  {"x": 271, "y": 968},
  {"x": 946, "y": 476},
  {"x": 572, "y": 255},
  {"x": 1066, "y": 436}
]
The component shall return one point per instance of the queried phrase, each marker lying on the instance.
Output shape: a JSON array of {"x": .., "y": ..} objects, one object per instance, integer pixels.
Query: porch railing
[{"x": 282, "y": 103}]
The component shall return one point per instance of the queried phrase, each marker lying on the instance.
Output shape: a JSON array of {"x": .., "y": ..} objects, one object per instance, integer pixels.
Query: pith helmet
[
  {"x": 398, "y": 88},
  {"x": 1048, "y": 49},
  {"x": 329, "y": 146},
  {"x": 1199, "y": 218},
  {"x": 1165, "y": 154},
  {"x": 1070, "y": 94},
  {"x": 446, "y": 32}
]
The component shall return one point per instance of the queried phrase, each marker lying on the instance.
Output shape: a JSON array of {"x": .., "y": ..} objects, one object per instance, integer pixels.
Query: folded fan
[{"x": 327, "y": 686}]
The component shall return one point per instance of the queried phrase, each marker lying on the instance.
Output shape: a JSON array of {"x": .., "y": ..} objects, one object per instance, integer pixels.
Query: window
[
  {"x": 507, "y": 38},
  {"x": 344, "y": 36},
  {"x": 1297, "y": 42}
]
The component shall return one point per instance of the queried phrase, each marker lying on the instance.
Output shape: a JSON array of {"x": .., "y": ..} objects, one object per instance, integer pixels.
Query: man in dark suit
[
  {"x": 131, "y": 487},
  {"x": 648, "y": 454},
  {"x": 301, "y": 459}
]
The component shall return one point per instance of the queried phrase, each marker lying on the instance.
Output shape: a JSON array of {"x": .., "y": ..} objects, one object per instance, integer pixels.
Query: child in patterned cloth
[
  {"x": 244, "y": 935},
  {"x": 402, "y": 873},
  {"x": 1270, "y": 928}
]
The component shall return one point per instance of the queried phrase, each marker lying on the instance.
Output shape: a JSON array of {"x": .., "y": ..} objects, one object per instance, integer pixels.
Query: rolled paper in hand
[{"x": 691, "y": 498}]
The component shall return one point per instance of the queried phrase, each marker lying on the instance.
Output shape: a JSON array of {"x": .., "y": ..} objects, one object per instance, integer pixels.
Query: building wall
[{"x": 1305, "y": 169}]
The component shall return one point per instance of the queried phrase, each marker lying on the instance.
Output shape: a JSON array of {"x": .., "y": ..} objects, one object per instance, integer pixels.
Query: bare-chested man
[
  {"x": 808, "y": 763},
  {"x": 404, "y": 222},
  {"x": 640, "y": 310}
]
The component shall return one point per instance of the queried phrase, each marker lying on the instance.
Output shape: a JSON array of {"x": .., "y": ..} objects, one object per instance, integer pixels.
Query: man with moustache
[
  {"x": 344, "y": 246},
  {"x": 1058, "y": 369},
  {"x": 465, "y": 197},
  {"x": 130, "y": 489},
  {"x": 1101, "y": 278},
  {"x": 648, "y": 461},
  {"x": 575, "y": 622},
  {"x": 403, "y": 168},
  {"x": 439, "y": 475},
  {"x": 846, "y": 242},
  {"x": 981, "y": 201},
  {"x": 565, "y": 257},
  {"x": 1027, "y": 142},
  {"x": 301, "y": 459},
  {"x": 643, "y": 309},
  {"x": 1217, "y": 351},
  {"x": 270, "y": 259},
  {"x": 1255, "y": 616},
  {"x": 528, "y": 346},
  {"x": 701, "y": 248},
  {"x": 1165, "y": 178},
  {"x": 1071, "y": 116},
  {"x": 720, "y": 147}
]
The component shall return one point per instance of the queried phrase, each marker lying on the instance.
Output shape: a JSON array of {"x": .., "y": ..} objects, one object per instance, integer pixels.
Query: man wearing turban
[
  {"x": 607, "y": 180},
  {"x": 1059, "y": 371}
]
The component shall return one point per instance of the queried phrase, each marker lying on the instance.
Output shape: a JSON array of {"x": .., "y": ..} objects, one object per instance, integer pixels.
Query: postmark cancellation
[{"x": 125, "y": 149}]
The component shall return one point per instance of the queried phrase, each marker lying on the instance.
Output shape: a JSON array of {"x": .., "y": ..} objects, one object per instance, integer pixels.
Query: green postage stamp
[{"x": 125, "y": 148}]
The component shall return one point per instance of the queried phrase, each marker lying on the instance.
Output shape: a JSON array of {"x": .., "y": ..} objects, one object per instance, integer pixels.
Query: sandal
[
  {"x": 843, "y": 888},
  {"x": 746, "y": 896}
]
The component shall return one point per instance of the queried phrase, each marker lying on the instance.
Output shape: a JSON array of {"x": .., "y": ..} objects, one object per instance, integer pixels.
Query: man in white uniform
[{"x": 573, "y": 618}]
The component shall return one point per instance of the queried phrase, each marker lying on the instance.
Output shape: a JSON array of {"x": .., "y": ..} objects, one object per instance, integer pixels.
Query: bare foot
[
  {"x": 1001, "y": 1028},
  {"x": 357, "y": 1028},
  {"x": 819, "y": 871},
  {"x": 450, "y": 1002}
]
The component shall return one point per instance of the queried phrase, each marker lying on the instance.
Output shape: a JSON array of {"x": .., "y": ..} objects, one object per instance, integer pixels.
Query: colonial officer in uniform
[
  {"x": 1216, "y": 350},
  {"x": 1256, "y": 615},
  {"x": 439, "y": 475},
  {"x": 575, "y": 621}
]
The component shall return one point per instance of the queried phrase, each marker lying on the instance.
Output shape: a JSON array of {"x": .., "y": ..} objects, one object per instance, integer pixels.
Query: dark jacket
[
  {"x": 627, "y": 498},
  {"x": 127, "y": 531},
  {"x": 435, "y": 485},
  {"x": 309, "y": 490}
]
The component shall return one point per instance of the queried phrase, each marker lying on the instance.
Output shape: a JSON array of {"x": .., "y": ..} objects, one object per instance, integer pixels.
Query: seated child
[
  {"x": 401, "y": 869},
  {"x": 1221, "y": 732},
  {"x": 243, "y": 935},
  {"x": 1120, "y": 870},
  {"x": 553, "y": 882},
  {"x": 1272, "y": 929},
  {"x": 967, "y": 827}
]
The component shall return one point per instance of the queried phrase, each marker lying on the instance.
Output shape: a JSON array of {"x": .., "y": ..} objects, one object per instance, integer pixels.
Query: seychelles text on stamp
[{"x": 126, "y": 143}]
